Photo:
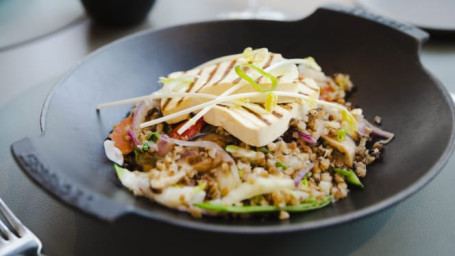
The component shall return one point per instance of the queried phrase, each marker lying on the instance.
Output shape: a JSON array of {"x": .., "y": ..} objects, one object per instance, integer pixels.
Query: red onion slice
[
  {"x": 302, "y": 174},
  {"x": 132, "y": 137},
  {"x": 139, "y": 116},
  {"x": 307, "y": 138}
]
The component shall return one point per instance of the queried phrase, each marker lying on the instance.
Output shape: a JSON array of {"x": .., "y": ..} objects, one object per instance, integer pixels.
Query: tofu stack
[{"x": 249, "y": 121}]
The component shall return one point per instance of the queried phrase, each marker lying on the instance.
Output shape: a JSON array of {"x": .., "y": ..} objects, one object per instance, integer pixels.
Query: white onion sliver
[
  {"x": 379, "y": 132},
  {"x": 113, "y": 153}
]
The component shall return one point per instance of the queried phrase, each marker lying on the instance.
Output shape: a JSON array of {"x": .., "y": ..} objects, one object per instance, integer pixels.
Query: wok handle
[
  {"x": 419, "y": 35},
  {"x": 55, "y": 183}
]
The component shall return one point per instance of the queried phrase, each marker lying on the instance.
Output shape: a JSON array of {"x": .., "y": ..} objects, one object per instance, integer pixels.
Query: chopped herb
[
  {"x": 341, "y": 135},
  {"x": 153, "y": 137},
  {"x": 136, "y": 155},
  {"x": 305, "y": 182},
  {"x": 264, "y": 150},
  {"x": 281, "y": 164},
  {"x": 145, "y": 146}
]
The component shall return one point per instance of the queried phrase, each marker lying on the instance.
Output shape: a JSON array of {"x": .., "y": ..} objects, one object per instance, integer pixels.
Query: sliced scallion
[
  {"x": 145, "y": 146},
  {"x": 244, "y": 76},
  {"x": 153, "y": 137},
  {"x": 341, "y": 134}
]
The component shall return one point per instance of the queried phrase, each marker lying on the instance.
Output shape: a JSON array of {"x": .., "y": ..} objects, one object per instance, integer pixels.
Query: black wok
[{"x": 381, "y": 56}]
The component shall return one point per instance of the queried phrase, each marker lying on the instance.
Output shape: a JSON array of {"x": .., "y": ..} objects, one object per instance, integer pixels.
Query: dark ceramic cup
[{"x": 118, "y": 12}]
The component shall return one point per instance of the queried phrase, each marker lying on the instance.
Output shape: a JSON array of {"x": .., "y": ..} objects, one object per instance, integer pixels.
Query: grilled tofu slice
[
  {"x": 251, "y": 123},
  {"x": 248, "y": 121},
  {"x": 216, "y": 78}
]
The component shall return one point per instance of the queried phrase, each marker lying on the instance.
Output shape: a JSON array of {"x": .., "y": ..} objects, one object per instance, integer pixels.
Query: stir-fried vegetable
[
  {"x": 312, "y": 205},
  {"x": 350, "y": 175},
  {"x": 189, "y": 133},
  {"x": 249, "y": 155}
]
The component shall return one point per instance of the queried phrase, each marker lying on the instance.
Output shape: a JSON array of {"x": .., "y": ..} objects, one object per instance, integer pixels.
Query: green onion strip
[{"x": 244, "y": 76}]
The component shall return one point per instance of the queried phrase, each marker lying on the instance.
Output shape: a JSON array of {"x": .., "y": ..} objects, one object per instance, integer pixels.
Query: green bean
[{"x": 350, "y": 175}]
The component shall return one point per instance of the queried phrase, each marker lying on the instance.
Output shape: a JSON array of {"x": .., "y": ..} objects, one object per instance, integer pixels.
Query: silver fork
[{"x": 20, "y": 240}]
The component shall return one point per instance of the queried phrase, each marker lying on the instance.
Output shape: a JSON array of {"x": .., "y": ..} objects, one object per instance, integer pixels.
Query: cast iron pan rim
[{"x": 263, "y": 229}]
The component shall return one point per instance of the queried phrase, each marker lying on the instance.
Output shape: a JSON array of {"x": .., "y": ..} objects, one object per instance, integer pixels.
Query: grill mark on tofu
[
  {"x": 227, "y": 71},
  {"x": 212, "y": 73},
  {"x": 247, "y": 118},
  {"x": 287, "y": 107},
  {"x": 258, "y": 79},
  {"x": 269, "y": 61},
  {"x": 276, "y": 114},
  {"x": 258, "y": 116},
  {"x": 262, "y": 107},
  {"x": 302, "y": 93},
  {"x": 195, "y": 81},
  {"x": 189, "y": 88},
  {"x": 224, "y": 106},
  {"x": 166, "y": 102},
  {"x": 172, "y": 75},
  {"x": 267, "y": 64}
]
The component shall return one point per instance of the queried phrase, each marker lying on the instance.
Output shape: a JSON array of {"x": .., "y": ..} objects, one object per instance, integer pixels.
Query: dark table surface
[{"x": 423, "y": 224}]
